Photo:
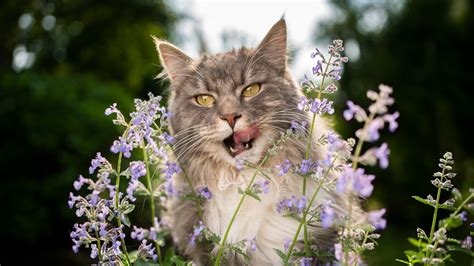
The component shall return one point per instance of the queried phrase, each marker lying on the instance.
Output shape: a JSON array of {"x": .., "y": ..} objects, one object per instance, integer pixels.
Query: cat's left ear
[
  {"x": 172, "y": 58},
  {"x": 273, "y": 46}
]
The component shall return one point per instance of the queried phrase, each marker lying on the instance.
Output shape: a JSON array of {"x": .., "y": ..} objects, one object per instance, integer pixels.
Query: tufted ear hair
[
  {"x": 273, "y": 46},
  {"x": 172, "y": 58}
]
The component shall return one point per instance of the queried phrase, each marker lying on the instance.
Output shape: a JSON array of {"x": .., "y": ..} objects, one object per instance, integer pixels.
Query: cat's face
[{"x": 230, "y": 105}]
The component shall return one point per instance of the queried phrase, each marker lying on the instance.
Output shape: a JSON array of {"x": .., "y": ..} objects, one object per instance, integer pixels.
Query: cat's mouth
[{"x": 241, "y": 141}]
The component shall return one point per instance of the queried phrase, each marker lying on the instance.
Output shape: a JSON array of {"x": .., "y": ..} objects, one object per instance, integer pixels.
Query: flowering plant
[{"x": 106, "y": 208}]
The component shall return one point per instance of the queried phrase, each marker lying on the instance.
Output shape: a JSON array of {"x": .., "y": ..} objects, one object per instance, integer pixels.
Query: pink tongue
[{"x": 247, "y": 135}]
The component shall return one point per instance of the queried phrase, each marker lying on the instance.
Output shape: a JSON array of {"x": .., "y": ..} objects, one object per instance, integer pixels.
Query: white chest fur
[{"x": 255, "y": 219}]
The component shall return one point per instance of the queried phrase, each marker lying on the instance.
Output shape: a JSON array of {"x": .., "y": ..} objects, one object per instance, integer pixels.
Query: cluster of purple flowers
[
  {"x": 197, "y": 234},
  {"x": 292, "y": 205},
  {"x": 316, "y": 106},
  {"x": 105, "y": 239}
]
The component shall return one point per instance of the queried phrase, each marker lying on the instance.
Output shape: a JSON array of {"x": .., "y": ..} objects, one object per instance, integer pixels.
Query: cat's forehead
[{"x": 222, "y": 67}]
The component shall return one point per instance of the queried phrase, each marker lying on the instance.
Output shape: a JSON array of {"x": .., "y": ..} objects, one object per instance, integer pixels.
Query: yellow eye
[
  {"x": 205, "y": 100},
  {"x": 251, "y": 90}
]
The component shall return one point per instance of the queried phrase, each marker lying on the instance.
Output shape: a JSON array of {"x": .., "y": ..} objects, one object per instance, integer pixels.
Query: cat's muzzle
[{"x": 241, "y": 141}]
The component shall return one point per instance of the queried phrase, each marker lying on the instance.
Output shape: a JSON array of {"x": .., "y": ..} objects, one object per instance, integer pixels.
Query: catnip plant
[
  {"x": 144, "y": 168},
  {"x": 435, "y": 247}
]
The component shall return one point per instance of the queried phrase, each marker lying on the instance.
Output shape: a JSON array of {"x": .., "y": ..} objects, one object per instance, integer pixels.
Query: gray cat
[{"x": 227, "y": 107}]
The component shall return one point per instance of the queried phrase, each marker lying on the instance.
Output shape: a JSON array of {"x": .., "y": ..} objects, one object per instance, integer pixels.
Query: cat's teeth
[
  {"x": 232, "y": 149},
  {"x": 247, "y": 145}
]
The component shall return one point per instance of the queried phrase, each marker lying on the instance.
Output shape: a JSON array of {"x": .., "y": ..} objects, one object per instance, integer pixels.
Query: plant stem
[
  {"x": 305, "y": 212},
  {"x": 308, "y": 152},
  {"x": 222, "y": 244},
  {"x": 117, "y": 188},
  {"x": 152, "y": 198}
]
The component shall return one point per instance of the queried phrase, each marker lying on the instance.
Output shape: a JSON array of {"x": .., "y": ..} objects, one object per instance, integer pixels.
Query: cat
[{"x": 228, "y": 107}]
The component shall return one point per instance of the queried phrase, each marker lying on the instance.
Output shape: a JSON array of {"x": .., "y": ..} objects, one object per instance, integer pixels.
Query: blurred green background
[{"x": 63, "y": 62}]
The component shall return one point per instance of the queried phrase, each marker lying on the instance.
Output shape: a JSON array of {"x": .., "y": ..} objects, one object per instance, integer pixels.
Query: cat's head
[{"x": 230, "y": 105}]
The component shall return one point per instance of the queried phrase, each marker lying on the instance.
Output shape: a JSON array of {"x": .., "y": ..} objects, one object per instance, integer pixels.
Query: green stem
[
  {"x": 98, "y": 246},
  {"x": 152, "y": 198},
  {"x": 305, "y": 212},
  {"x": 117, "y": 190},
  {"x": 308, "y": 152},
  {"x": 222, "y": 244}
]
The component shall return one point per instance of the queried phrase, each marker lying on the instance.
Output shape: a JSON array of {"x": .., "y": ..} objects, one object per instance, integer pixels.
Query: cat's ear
[
  {"x": 273, "y": 46},
  {"x": 172, "y": 58}
]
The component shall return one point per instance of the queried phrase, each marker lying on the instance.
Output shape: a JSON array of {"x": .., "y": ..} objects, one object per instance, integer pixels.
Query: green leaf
[
  {"x": 253, "y": 195},
  {"x": 460, "y": 249},
  {"x": 125, "y": 220},
  {"x": 422, "y": 200},
  {"x": 451, "y": 222},
  {"x": 402, "y": 261},
  {"x": 417, "y": 242},
  {"x": 281, "y": 254}
]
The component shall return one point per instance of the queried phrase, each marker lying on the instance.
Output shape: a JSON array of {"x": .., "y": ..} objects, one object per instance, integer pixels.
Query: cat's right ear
[{"x": 172, "y": 58}]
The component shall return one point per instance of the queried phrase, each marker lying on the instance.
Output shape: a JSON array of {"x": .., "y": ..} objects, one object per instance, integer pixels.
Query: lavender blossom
[
  {"x": 263, "y": 185},
  {"x": 327, "y": 214},
  {"x": 286, "y": 244},
  {"x": 306, "y": 167},
  {"x": 375, "y": 219},
  {"x": 253, "y": 244},
  {"x": 283, "y": 167},
  {"x": 381, "y": 154},
  {"x": 306, "y": 261},
  {"x": 391, "y": 119},
  {"x": 198, "y": 230},
  {"x": 467, "y": 243},
  {"x": 205, "y": 192},
  {"x": 356, "y": 181},
  {"x": 171, "y": 168},
  {"x": 137, "y": 169}
]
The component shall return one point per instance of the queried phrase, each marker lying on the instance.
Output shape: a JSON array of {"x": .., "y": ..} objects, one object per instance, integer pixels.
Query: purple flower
[
  {"x": 320, "y": 107},
  {"x": 463, "y": 216},
  {"x": 72, "y": 200},
  {"x": 121, "y": 145},
  {"x": 168, "y": 138},
  {"x": 286, "y": 244},
  {"x": 467, "y": 243},
  {"x": 138, "y": 233},
  {"x": 306, "y": 261},
  {"x": 336, "y": 73},
  {"x": 356, "y": 181},
  {"x": 327, "y": 214},
  {"x": 196, "y": 233},
  {"x": 302, "y": 104},
  {"x": 132, "y": 186},
  {"x": 112, "y": 109},
  {"x": 349, "y": 113},
  {"x": 292, "y": 205},
  {"x": 253, "y": 244},
  {"x": 239, "y": 164},
  {"x": 375, "y": 218},
  {"x": 318, "y": 68},
  {"x": 78, "y": 183},
  {"x": 171, "y": 168},
  {"x": 392, "y": 121},
  {"x": 263, "y": 185},
  {"x": 116, "y": 247},
  {"x": 306, "y": 167},
  {"x": 382, "y": 155},
  {"x": 301, "y": 204},
  {"x": 97, "y": 162},
  {"x": 373, "y": 130},
  {"x": 94, "y": 251},
  {"x": 283, "y": 167},
  {"x": 137, "y": 169},
  {"x": 147, "y": 251},
  {"x": 205, "y": 193},
  {"x": 76, "y": 245},
  {"x": 298, "y": 128},
  {"x": 314, "y": 54}
]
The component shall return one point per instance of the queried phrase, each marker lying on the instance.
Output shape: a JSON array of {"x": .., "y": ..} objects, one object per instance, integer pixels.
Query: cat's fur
[{"x": 200, "y": 151}]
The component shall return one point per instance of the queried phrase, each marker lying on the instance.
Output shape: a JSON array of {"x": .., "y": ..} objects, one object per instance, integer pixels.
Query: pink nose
[
  {"x": 246, "y": 135},
  {"x": 231, "y": 119}
]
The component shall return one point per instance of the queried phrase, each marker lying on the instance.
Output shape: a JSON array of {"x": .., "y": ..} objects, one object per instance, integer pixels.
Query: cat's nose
[{"x": 231, "y": 118}]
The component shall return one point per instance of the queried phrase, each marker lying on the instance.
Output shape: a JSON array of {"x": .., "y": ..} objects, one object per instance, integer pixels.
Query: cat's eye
[
  {"x": 205, "y": 100},
  {"x": 251, "y": 90}
]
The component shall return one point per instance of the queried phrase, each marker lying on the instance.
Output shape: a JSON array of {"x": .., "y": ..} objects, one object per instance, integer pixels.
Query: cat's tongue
[{"x": 241, "y": 137}]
